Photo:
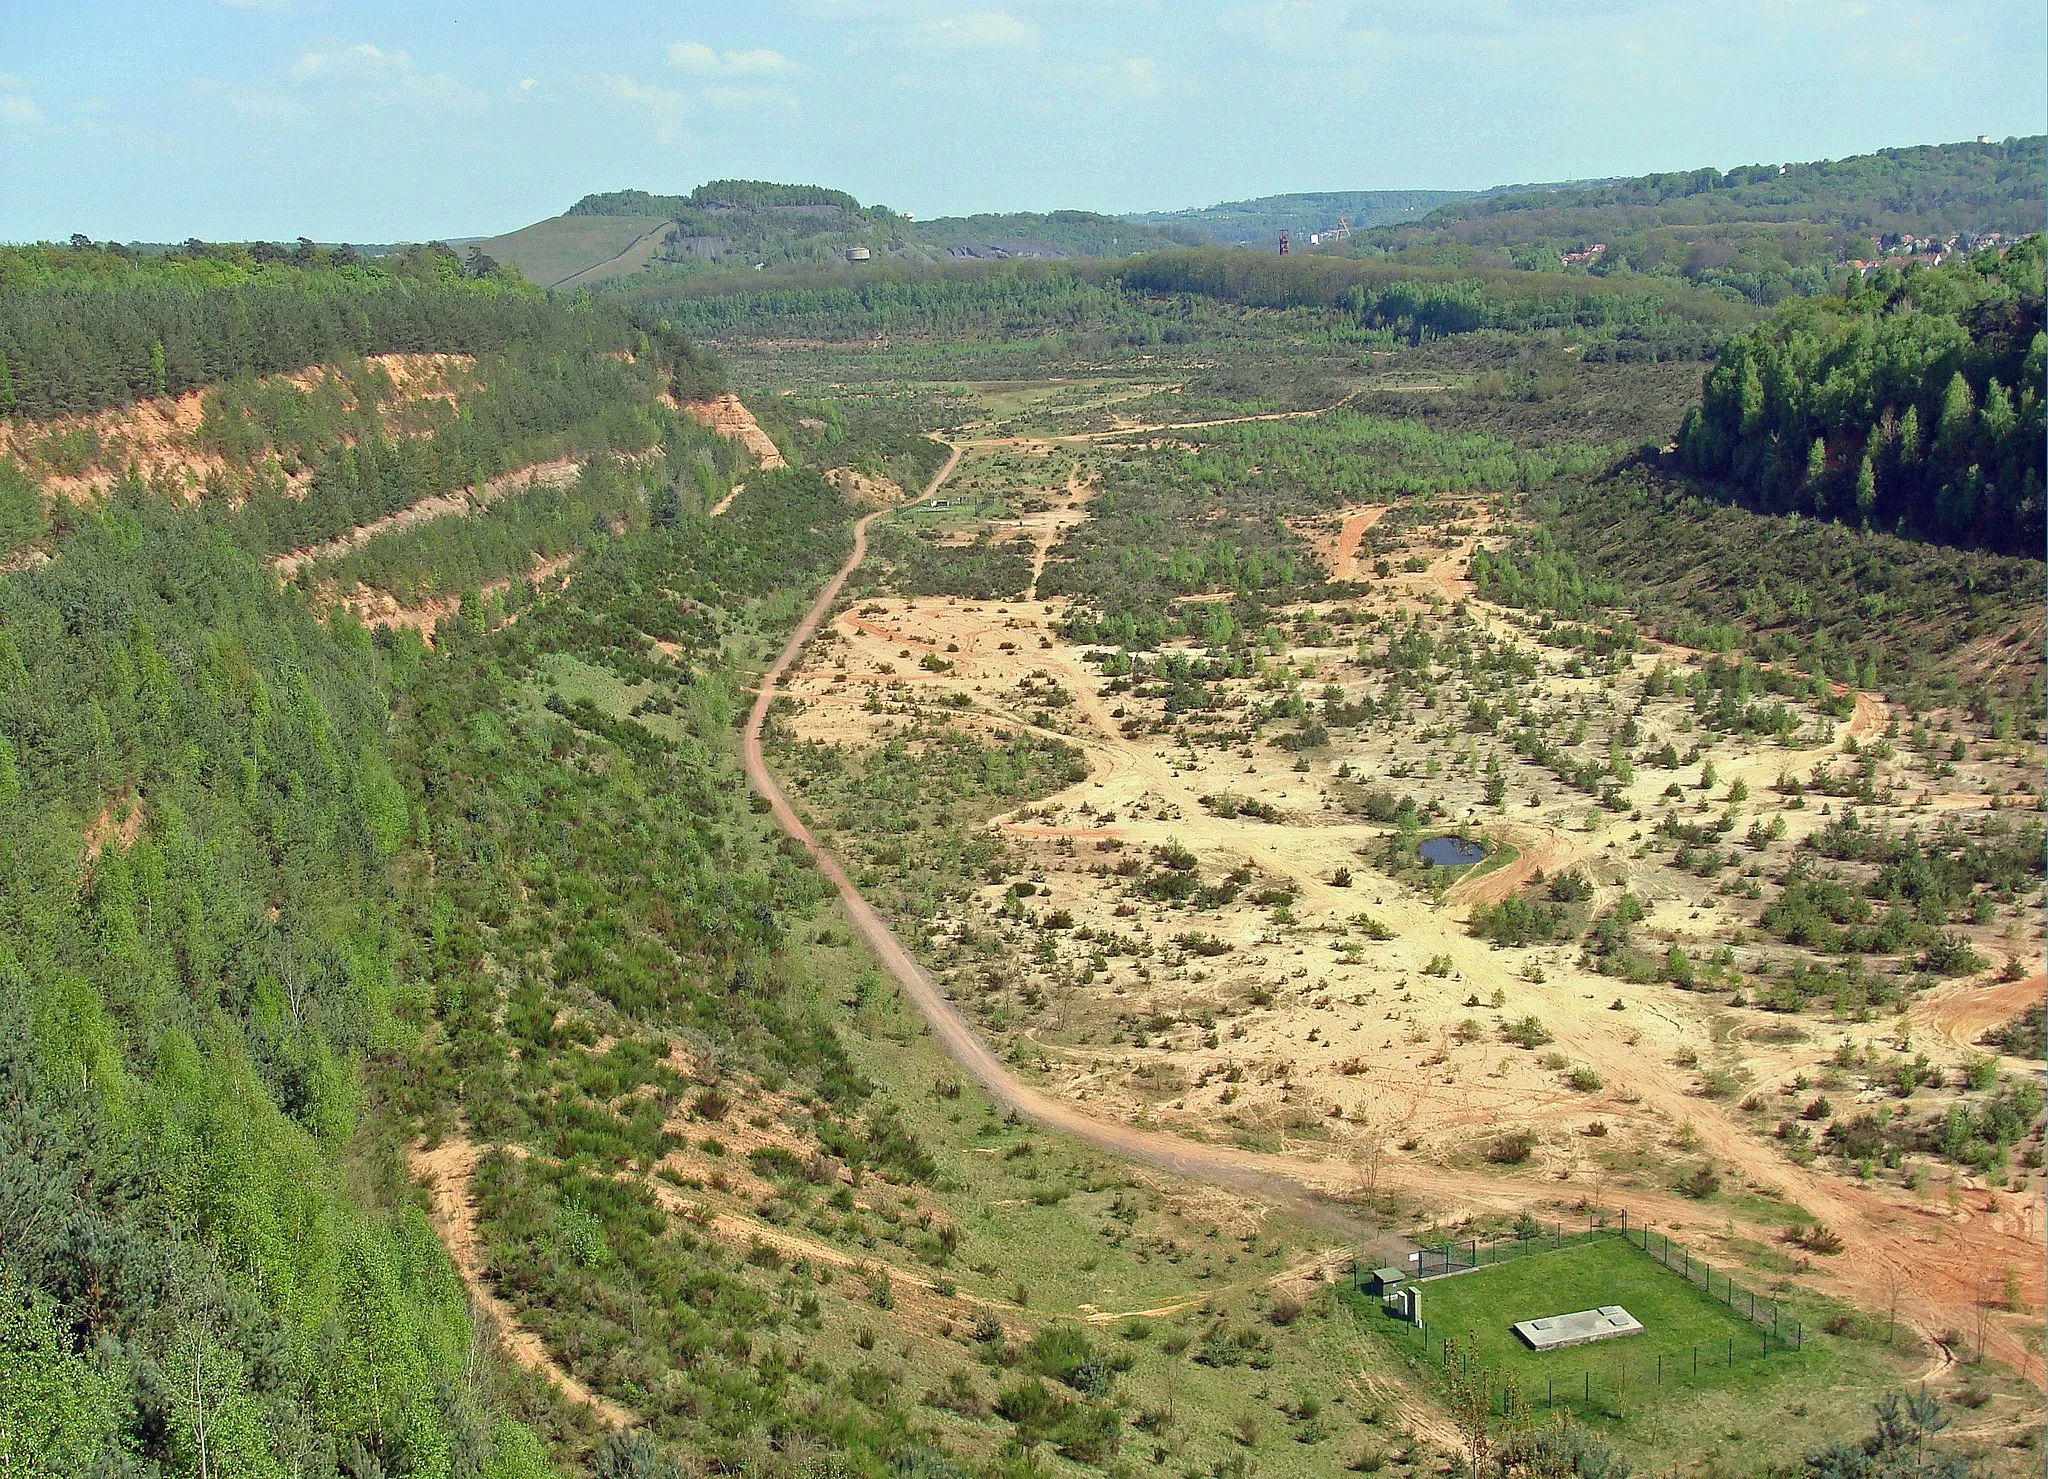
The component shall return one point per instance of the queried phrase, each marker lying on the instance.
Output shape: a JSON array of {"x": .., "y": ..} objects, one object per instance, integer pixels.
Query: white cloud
[
  {"x": 1140, "y": 75},
  {"x": 15, "y": 108},
  {"x": 696, "y": 57},
  {"x": 664, "y": 107},
  {"x": 1296, "y": 28},
  {"x": 264, "y": 105},
  {"x": 378, "y": 78},
  {"x": 979, "y": 30}
]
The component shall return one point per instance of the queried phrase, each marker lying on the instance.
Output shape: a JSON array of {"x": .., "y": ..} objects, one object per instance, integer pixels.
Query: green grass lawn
[{"x": 1483, "y": 1306}]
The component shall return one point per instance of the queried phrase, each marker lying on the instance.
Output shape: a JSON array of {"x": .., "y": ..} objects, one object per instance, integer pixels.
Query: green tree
[
  {"x": 1898, "y": 1449},
  {"x": 1958, "y": 415},
  {"x": 56, "y": 1410}
]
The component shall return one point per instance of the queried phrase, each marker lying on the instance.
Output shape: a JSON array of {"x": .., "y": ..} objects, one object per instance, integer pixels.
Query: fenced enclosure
[
  {"x": 1701, "y": 1328},
  {"x": 1445, "y": 1259}
]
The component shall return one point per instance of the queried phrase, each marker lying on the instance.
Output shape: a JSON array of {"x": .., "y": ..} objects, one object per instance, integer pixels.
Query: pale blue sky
[{"x": 383, "y": 121}]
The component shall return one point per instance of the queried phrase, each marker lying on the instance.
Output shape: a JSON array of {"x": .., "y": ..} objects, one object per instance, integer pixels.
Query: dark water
[{"x": 1449, "y": 852}]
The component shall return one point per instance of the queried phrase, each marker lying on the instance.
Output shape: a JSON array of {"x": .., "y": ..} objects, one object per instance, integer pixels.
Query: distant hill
[
  {"x": 622, "y": 233},
  {"x": 1242, "y": 222},
  {"x": 1764, "y": 231}
]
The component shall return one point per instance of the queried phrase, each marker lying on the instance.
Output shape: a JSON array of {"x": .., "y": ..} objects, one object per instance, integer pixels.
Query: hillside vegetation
[
  {"x": 1257, "y": 222},
  {"x": 1914, "y": 401},
  {"x": 1753, "y": 231},
  {"x": 82, "y": 328},
  {"x": 742, "y": 224}
]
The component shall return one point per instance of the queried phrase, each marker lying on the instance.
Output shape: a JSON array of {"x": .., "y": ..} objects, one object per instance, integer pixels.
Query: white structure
[{"x": 1554, "y": 1332}]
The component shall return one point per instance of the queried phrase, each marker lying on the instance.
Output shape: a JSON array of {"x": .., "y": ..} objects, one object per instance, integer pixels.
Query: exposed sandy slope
[
  {"x": 381, "y": 609},
  {"x": 862, "y": 490},
  {"x": 446, "y": 1171},
  {"x": 729, "y": 418},
  {"x": 119, "y": 822},
  {"x": 160, "y": 436},
  {"x": 557, "y": 474},
  {"x": 726, "y": 502}
]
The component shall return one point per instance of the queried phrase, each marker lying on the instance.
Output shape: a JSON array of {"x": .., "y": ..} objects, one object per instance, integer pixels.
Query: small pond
[{"x": 1450, "y": 852}]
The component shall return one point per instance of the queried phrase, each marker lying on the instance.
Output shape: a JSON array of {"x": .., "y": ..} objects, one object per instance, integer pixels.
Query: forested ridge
[
  {"x": 190, "y": 1273},
  {"x": 243, "y": 896},
  {"x": 1762, "y": 232},
  {"x": 83, "y": 328},
  {"x": 278, "y": 895},
  {"x": 1187, "y": 294},
  {"x": 1912, "y": 401}
]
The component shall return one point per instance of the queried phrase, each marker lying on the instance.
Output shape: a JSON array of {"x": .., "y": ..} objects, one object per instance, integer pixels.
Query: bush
[{"x": 1512, "y": 1149}]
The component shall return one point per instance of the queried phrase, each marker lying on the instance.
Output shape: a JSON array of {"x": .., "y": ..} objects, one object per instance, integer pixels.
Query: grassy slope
[{"x": 551, "y": 251}]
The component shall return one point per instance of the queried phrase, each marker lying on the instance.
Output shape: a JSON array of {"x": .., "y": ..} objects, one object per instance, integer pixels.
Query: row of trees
[
  {"x": 1915, "y": 400},
  {"x": 1423, "y": 302}
]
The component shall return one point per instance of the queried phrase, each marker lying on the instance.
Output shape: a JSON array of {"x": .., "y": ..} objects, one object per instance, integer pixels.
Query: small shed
[{"x": 1382, "y": 1280}]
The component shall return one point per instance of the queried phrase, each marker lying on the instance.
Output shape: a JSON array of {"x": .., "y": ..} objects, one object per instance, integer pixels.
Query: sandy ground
[
  {"x": 1340, "y": 555},
  {"x": 1381, "y": 1056}
]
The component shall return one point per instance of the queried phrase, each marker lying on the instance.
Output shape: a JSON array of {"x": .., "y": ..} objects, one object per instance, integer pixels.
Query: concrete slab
[{"x": 1554, "y": 1332}]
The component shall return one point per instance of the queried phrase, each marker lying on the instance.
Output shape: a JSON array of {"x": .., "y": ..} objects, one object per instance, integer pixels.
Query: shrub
[
  {"x": 1512, "y": 1149},
  {"x": 1703, "y": 1183}
]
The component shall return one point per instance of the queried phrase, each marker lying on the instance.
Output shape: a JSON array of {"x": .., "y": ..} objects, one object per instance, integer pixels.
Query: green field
[{"x": 1482, "y": 1307}]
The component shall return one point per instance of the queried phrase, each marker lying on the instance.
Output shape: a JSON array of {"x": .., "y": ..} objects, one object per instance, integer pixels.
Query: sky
[{"x": 383, "y": 121}]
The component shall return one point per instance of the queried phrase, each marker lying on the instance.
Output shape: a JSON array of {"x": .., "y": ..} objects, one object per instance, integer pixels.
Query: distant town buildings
[
  {"x": 1905, "y": 249},
  {"x": 1589, "y": 254}
]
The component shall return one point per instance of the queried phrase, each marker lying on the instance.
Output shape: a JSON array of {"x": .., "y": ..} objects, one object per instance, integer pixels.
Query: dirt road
[
  {"x": 1284, "y": 1179},
  {"x": 1883, "y": 1230}
]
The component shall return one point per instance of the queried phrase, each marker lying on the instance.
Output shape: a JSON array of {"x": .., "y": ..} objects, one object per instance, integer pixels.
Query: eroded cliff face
[{"x": 725, "y": 415}]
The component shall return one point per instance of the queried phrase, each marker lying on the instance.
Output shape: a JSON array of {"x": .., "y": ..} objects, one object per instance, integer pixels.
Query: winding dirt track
[
  {"x": 1279, "y": 1178},
  {"x": 1987, "y": 1231}
]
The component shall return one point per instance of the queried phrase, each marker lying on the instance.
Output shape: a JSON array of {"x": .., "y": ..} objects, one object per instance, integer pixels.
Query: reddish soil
[{"x": 729, "y": 418}]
